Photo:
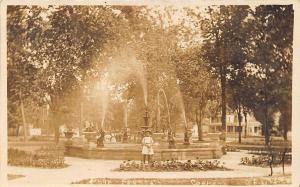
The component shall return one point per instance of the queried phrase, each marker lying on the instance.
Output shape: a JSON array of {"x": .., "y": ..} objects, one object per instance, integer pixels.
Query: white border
[{"x": 296, "y": 65}]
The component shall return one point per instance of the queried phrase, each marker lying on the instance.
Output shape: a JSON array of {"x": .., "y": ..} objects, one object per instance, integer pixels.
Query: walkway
[{"x": 87, "y": 168}]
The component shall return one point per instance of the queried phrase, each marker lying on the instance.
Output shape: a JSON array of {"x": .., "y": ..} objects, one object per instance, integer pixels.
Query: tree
[
  {"x": 271, "y": 59},
  {"x": 237, "y": 72},
  {"x": 221, "y": 31},
  {"x": 196, "y": 82},
  {"x": 23, "y": 27},
  {"x": 52, "y": 50},
  {"x": 238, "y": 99}
]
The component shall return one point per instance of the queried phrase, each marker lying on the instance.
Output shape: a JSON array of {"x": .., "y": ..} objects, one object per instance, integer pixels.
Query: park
[{"x": 149, "y": 95}]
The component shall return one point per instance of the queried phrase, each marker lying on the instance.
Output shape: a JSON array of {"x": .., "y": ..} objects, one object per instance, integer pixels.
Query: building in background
[{"x": 214, "y": 125}]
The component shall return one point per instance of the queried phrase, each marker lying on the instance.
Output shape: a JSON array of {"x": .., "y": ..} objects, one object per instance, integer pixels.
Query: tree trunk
[
  {"x": 266, "y": 132},
  {"x": 200, "y": 132},
  {"x": 266, "y": 102},
  {"x": 56, "y": 133},
  {"x": 246, "y": 124},
  {"x": 263, "y": 130},
  {"x": 201, "y": 106},
  {"x": 23, "y": 118},
  {"x": 271, "y": 157},
  {"x": 266, "y": 129},
  {"x": 285, "y": 126},
  {"x": 240, "y": 123},
  {"x": 81, "y": 119},
  {"x": 43, "y": 117},
  {"x": 283, "y": 159},
  {"x": 55, "y": 125},
  {"x": 158, "y": 115},
  {"x": 18, "y": 129},
  {"x": 47, "y": 124},
  {"x": 285, "y": 132},
  {"x": 197, "y": 121},
  {"x": 223, "y": 94},
  {"x": 271, "y": 164}
]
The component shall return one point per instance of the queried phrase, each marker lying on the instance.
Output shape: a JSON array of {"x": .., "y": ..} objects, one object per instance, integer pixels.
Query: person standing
[{"x": 147, "y": 149}]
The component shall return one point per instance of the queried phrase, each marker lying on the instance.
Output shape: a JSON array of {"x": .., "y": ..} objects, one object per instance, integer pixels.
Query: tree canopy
[{"x": 96, "y": 59}]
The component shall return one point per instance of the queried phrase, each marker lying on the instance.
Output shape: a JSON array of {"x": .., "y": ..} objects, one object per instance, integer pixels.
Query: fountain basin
[{"x": 204, "y": 150}]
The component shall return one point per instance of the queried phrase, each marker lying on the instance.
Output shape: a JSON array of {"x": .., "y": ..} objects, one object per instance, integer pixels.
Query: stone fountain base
[{"x": 202, "y": 150}]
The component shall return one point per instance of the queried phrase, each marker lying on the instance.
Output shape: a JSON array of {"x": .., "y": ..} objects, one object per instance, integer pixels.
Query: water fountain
[{"x": 164, "y": 149}]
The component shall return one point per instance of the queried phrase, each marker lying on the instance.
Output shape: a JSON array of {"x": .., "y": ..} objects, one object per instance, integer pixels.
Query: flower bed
[
  {"x": 263, "y": 161},
  {"x": 44, "y": 158},
  {"x": 173, "y": 165}
]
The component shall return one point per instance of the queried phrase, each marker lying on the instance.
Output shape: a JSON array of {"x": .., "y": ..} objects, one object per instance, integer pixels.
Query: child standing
[{"x": 147, "y": 144}]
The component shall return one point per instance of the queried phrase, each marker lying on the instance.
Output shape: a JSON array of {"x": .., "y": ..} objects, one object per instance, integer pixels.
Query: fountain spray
[
  {"x": 104, "y": 100},
  {"x": 166, "y": 103}
]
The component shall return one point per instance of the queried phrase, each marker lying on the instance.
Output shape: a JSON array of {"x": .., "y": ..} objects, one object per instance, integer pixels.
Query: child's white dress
[{"x": 147, "y": 143}]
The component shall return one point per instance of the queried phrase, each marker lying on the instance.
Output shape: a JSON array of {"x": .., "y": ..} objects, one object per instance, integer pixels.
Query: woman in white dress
[{"x": 147, "y": 149}]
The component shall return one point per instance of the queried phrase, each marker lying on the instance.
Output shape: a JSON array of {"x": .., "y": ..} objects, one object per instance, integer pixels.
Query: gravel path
[{"x": 89, "y": 168}]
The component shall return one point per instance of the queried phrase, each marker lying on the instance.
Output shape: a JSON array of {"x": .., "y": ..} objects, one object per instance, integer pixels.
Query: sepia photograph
[{"x": 148, "y": 94}]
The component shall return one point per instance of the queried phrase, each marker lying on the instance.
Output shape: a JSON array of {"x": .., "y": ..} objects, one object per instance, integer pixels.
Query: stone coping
[{"x": 157, "y": 149}]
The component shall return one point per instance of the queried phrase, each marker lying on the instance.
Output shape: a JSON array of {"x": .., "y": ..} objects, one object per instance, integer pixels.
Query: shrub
[
  {"x": 43, "y": 158},
  {"x": 263, "y": 160}
]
